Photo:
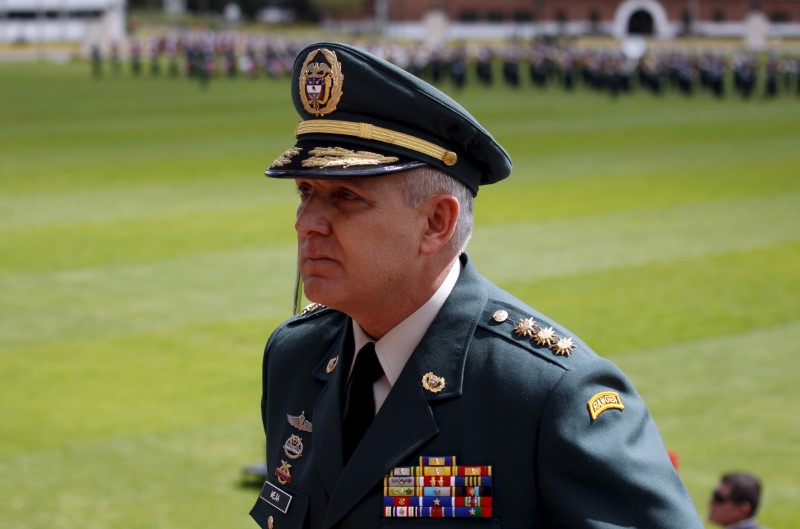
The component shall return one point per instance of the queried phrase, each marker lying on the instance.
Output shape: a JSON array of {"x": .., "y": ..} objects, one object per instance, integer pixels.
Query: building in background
[
  {"x": 37, "y": 21},
  {"x": 663, "y": 19},
  {"x": 756, "y": 21}
]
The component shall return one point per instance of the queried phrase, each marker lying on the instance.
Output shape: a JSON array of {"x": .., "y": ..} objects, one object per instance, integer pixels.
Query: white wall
[{"x": 56, "y": 21}]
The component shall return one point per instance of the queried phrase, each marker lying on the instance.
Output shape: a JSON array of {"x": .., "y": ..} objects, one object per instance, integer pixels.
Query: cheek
[
  {"x": 406, "y": 232},
  {"x": 398, "y": 246},
  {"x": 378, "y": 263}
]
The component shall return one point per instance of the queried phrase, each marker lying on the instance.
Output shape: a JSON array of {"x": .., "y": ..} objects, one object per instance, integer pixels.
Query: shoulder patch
[{"x": 605, "y": 400}]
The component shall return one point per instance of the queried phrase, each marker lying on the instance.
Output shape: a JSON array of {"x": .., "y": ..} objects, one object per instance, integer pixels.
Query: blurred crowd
[{"x": 207, "y": 55}]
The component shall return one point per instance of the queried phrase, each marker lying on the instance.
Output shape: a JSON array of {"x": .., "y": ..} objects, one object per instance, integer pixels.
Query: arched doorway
[
  {"x": 640, "y": 23},
  {"x": 642, "y": 18}
]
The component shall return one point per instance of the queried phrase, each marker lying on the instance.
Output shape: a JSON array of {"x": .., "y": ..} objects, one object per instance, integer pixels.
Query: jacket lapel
[
  {"x": 328, "y": 412},
  {"x": 406, "y": 421}
]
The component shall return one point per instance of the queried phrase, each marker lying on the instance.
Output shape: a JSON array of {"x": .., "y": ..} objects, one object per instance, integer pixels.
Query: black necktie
[{"x": 359, "y": 398}]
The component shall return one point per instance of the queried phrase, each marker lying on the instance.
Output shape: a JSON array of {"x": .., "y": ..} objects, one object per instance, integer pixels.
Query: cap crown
[{"x": 379, "y": 118}]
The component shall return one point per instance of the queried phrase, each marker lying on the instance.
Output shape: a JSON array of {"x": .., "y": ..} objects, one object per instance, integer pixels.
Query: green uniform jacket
[{"x": 507, "y": 402}]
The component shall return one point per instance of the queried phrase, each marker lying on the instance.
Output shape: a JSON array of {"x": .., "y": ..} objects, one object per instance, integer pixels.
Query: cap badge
[
  {"x": 300, "y": 422},
  {"x": 293, "y": 447},
  {"x": 321, "y": 82},
  {"x": 603, "y": 401},
  {"x": 433, "y": 383},
  {"x": 283, "y": 473}
]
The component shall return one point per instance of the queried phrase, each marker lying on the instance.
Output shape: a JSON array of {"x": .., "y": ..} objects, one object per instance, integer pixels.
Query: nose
[{"x": 311, "y": 217}]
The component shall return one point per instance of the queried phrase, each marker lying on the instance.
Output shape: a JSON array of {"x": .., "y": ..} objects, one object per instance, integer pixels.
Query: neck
[{"x": 381, "y": 317}]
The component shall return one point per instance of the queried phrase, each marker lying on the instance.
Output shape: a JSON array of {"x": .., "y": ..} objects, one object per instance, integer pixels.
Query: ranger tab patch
[{"x": 603, "y": 401}]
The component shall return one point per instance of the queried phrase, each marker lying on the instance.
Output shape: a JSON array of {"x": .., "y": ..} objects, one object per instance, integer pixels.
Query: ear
[{"x": 442, "y": 217}]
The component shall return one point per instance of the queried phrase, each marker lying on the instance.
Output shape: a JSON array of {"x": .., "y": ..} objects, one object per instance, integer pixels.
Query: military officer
[{"x": 413, "y": 388}]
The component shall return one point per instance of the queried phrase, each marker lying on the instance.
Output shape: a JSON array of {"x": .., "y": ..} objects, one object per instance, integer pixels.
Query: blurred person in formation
[
  {"x": 735, "y": 500},
  {"x": 483, "y": 65},
  {"x": 771, "y": 74},
  {"x": 458, "y": 67},
  {"x": 413, "y": 387},
  {"x": 116, "y": 61},
  {"x": 97, "y": 61},
  {"x": 135, "y": 49}
]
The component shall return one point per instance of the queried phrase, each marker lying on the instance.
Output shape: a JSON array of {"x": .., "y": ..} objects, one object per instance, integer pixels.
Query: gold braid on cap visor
[{"x": 370, "y": 132}]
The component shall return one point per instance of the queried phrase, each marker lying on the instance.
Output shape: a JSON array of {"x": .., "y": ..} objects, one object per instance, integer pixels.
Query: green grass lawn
[{"x": 144, "y": 260}]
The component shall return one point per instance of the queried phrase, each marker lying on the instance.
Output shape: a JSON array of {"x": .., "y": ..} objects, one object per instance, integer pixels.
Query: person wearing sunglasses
[{"x": 735, "y": 501}]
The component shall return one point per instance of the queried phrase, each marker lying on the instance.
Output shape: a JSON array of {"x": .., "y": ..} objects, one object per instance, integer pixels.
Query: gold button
[
  {"x": 450, "y": 158},
  {"x": 500, "y": 316}
]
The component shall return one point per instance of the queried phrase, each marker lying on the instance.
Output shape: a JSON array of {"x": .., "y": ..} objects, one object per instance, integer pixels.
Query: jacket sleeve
[
  {"x": 274, "y": 337},
  {"x": 610, "y": 470}
]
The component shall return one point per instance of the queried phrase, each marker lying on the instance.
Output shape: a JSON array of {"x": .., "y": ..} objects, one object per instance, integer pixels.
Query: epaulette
[
  {"x": 311, "y": 307},
  {"x": 309, "y": 311},
  {"x": 531, "y": 329}
]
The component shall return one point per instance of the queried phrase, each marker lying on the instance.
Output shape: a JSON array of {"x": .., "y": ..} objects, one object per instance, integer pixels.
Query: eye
[
  {"x": 303, "y": 191},
  {"x": 346, "y": 195}
]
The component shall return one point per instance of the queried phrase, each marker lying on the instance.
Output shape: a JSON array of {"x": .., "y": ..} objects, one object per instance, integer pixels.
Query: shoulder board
[
  {"x": 531, "y": 331},
  {"x": 311, "y": 307},
  {"x": 310, "y": 311}
]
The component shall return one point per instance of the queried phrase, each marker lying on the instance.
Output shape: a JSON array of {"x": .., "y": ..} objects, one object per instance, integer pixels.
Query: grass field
[{"x": 144, "y": 260}]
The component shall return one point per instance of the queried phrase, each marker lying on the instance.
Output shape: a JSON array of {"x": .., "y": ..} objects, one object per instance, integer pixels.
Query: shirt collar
[
  {"x": 743, "y": 524},
  {"x": 395, "y": 347}
]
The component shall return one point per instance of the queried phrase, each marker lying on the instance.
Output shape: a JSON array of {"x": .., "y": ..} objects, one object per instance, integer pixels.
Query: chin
[{"x": 319, "y": 291}]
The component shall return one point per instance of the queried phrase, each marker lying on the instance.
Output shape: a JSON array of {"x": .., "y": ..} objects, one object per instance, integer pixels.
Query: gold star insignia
[
  {"x": 525, "y": 327},
  {"x": 564, "y": 346},
  {"x": 545, "y": 336}
]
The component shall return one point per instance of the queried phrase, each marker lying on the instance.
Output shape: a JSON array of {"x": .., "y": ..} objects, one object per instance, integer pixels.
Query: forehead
[
  {"x": 724, "y": 488},
  {"x": 383, "y": 184}
]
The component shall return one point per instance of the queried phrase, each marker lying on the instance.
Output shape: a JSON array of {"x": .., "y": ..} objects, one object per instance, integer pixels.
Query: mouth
[
  {"x": 314, "y": 257},
  {"x": 315, "y": 264}
]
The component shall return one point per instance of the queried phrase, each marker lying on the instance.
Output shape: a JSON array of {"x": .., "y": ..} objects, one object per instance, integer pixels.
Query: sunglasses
[{"x": 719, "y": 498}]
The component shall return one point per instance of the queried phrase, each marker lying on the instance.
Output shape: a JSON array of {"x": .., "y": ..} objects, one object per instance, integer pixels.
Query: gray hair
[{"x": 427, "y": 181}]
